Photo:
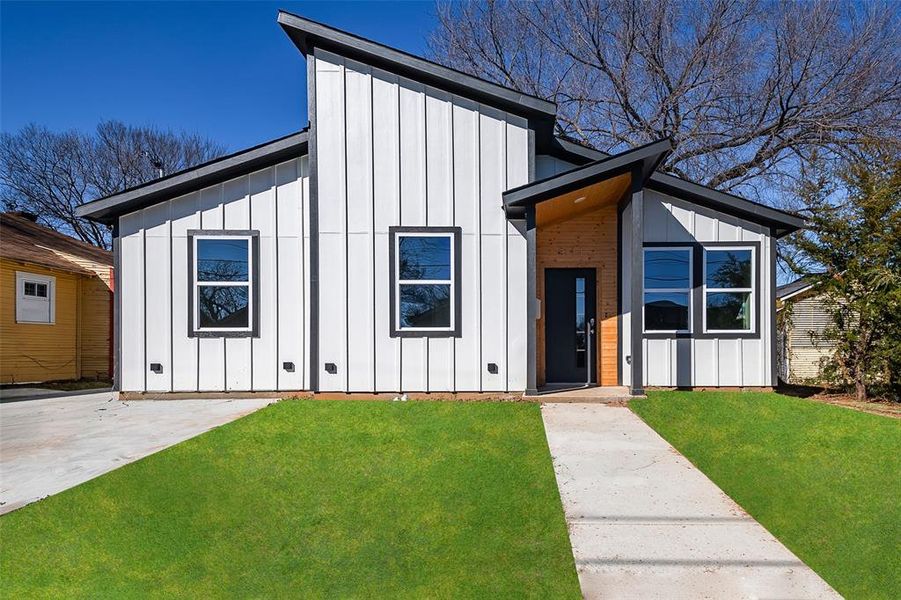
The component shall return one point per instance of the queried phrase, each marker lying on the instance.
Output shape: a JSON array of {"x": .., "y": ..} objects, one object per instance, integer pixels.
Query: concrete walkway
[
  {"x": 645, "y": 523},
  {"x": 51, "y": 444}
]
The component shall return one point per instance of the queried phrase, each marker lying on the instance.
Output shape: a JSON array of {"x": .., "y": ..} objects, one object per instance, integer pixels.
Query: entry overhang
[{"x": 644, "y": 160}]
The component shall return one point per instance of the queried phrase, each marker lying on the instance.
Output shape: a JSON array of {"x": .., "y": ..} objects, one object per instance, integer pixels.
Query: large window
[
  {"x": 223, "y": 299},
  {"x": 35, "y": 298},
  {"x": 667, "y": 289},
  {"x": 425, "y": 277},
  {"x": 728, "y": 289}
]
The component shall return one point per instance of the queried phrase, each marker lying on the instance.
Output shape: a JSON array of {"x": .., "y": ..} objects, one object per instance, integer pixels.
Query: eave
[
  {"x": 108, "y": 209},
  {"x": 307, "y": 35}
]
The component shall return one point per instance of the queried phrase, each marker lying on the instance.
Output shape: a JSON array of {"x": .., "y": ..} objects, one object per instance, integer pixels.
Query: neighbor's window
[
  {"x": 223, "y": 282},
  {"x": 425, "y": 278},
  {"x": 35, "y": 298},
  {"x": 667, "y": 289},
  {"x": 728, "y": 289}
]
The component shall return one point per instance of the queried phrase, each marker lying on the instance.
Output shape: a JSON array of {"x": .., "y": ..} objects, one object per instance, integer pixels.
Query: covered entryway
[{"x": 575, "y": 264}]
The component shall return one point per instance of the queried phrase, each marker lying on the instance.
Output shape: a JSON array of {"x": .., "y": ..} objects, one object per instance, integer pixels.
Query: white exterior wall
[
  {"x": 699, "y": 361},
  {"x": 154, "y": 288},
  {"x": 390, "y": 151}
]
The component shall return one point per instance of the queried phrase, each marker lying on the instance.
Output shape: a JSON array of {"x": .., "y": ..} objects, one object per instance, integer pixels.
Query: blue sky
[{"x": 224, "y": 69}]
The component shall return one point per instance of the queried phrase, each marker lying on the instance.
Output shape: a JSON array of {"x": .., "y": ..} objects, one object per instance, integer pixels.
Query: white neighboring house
[
  {"x": 802, "y": 346},
  {"x": 428, "y": 232}
]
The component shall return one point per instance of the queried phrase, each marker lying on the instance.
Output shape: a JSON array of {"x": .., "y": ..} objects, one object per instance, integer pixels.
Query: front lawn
[
  {"x": 312, "y": 499},
  {"x": 825, "y": 480}
]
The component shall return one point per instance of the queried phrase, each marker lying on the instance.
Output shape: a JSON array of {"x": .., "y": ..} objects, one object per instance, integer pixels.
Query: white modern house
[{"x": 428, "y": 232}]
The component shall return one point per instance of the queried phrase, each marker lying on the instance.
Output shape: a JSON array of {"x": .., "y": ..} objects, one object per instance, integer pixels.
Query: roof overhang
[
  {"x": 307, "y": 35},
  {"x": 781, "y": 222},
  {"x": 108, "y": 209},
  {"x": 795, "y": 288},
  {"x": 645, "y": 158}
]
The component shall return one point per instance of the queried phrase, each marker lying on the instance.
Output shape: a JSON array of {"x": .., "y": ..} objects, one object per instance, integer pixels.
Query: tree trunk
[{"x": 860, "y": 388}]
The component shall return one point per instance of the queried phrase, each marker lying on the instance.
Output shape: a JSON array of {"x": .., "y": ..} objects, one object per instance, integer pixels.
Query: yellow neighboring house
[{"x": 56, "y": 300}]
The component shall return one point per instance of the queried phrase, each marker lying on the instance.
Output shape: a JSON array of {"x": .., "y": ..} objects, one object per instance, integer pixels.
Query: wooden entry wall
[{"x": 587, "y": 240}]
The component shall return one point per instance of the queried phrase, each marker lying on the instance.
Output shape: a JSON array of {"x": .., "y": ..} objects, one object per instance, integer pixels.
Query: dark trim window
[
  {"x": 223, "y": 295},
  {"x": 425, "y": 281},
  {"x": 667, "y": 289},
  {"x": 729, "y": 275}
]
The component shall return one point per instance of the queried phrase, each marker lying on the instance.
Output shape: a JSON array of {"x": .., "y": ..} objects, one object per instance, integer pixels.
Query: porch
[{"x": 575, "y": 261}]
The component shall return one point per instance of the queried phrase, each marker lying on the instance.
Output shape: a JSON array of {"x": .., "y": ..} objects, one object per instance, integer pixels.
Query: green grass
[
  {"x": 823, "y": 479},
  {"x": 312, "y": 499}
]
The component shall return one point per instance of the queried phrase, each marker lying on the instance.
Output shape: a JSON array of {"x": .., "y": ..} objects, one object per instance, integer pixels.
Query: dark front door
[{"x": 569, "y": 304}]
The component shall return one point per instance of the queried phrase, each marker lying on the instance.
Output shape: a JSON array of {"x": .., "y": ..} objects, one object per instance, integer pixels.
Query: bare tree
[
  {"x": 49, "y": 173},
  {"x": 746, "y": 89}
]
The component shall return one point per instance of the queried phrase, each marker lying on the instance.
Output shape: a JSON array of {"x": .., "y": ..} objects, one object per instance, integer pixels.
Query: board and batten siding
[
  {"x": 153, "y": 289},
  {"x": 707, "y": 361},
  {"x": 390, "y": 151}
]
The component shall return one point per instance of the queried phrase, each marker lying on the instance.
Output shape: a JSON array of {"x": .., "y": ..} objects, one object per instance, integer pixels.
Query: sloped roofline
[
  {"x": 648, "y": 156},
  {"x": 780, "y": 221},
  {"x": 108, "y": 209},
  {"x": 308, "y": 34},
  {"x": 26, "y": 241},
  {"x": 790, "y": 290}
]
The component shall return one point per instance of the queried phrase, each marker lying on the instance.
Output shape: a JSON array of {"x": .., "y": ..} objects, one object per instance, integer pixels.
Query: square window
[
  {"x": 425, "y": 281},
  {"x": 424, "y": 257},
  {"x": 223, "y": 259},
  {"x": 728, "y": 311},
  {"x": 667, "y": 285},
  {"x": 667, "y": 269},
  {"x": 425, "y": 306},
  {"x": 729, "y": 289},
  {"x": 666, "y": 311},
  {"x": 223, "y": 306},
  {"x": 728, "y": 269}
]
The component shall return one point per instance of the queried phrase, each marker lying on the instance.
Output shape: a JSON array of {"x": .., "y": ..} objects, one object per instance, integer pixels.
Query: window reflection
[
  {"x": 728, "y": 268},
  {"x": 425, "y": 305},
  {"x": 222, "y": 259},
  {"x": 424, "y": 257},
  {"x": 729, "y": 310},
  {"x": 666, "y": 269},
  {"x": 666, "y": 311},
  {"x": 223, "y": 306}
]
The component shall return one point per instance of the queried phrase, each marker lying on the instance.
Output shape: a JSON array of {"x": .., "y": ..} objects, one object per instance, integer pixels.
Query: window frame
[
  {"x": 252, "y": 283},
  {"x": 751, "y": 290},
  {"x": 455, "y": 235},
  {"x": 689, "y": 290},
  {"x": 23, "y": 277}
]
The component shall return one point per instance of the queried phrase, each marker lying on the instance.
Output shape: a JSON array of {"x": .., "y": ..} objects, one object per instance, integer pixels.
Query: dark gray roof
[
  {"x": 107, "y": 209},
  {"x": 790, "y": 289},
  {"x": 307, "y": 34},
  {"x": 782, "y": 222},
  {"x": 649, "y": 156}
]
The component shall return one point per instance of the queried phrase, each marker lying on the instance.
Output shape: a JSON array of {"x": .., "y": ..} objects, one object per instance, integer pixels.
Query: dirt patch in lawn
[{"x": 819, "y": 394}]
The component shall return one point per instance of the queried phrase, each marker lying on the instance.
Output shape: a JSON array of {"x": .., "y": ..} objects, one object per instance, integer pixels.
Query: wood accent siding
[{"x": 585, "y": 241}]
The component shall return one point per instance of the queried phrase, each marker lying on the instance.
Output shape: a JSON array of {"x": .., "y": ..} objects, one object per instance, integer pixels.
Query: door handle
[{"x": 589, "y": 338}]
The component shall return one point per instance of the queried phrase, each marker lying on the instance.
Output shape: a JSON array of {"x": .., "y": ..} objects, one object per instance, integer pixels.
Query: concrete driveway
[
  {"x": 645, "y": 523},
  {"x": 48, "y": 445}
]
